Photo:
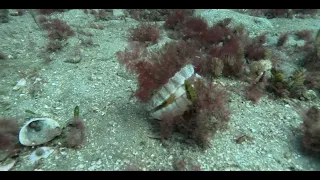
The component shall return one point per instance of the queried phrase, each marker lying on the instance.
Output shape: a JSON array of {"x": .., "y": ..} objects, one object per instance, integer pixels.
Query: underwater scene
[{"x": 159, "y": 90}]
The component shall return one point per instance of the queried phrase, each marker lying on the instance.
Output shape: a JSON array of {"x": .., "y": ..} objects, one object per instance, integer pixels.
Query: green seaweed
[
  {"x": 277, "y": 76},
  {"x": 30, "y": 112},
  {"x": 76, "y": 112},
  {"x": 296, "y": 83},
  {"x": 298, "y": 77},
  {"x": 317, "y": 44},
  {"x": 191, "y": 92}
]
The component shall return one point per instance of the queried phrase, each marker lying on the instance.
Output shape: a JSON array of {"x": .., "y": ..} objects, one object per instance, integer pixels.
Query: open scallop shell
[
  {"x": 174, "y": 88},
  {"x": 38, "y": 131}
]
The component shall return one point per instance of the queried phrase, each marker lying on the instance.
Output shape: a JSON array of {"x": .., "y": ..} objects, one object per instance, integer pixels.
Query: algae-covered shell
[
  {"x": 39, "y": 153},
  {"x": 172, "y": 98},
  {"x": 38, "y": 131}
]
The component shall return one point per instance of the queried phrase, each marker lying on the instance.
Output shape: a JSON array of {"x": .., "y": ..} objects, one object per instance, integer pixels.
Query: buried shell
[
  {"x": 38, "y": 131},
  {"x": 173, "y": 98},
  {"x": 39, "y": 153}
]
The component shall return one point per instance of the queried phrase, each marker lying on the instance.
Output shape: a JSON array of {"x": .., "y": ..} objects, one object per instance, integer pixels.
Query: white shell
[
  {"x": 49, "y": 129},
  {"x": 46, "y": 153},
  {"x": 173, "y": 84},
  {"x": 22, "y": 82},
  {"x": 176, "y": 87},
  {"x": 8, "y": 166}
]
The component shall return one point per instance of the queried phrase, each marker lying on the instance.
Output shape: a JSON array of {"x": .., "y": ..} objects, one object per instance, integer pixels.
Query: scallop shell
[
  {"x": 46, "y": 130},
  {"x": 176, "y": 88}
]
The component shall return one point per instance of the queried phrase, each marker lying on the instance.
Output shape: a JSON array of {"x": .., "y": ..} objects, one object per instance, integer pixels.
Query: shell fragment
[{"x": 39, "y": 153}]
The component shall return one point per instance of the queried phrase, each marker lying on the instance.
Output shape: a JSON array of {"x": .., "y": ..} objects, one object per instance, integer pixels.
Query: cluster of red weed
[
  {"x": 75, "y": 137},
  {"x": 311, "y": 119},
  {"x": 221, "y": 41},
  {"x": 256, "y": 90},
  {"x": 201, "y": 121},
  {"x": 311, "y": 127},
  {"x": 183, "y": 165},
  {"x": 222, "y": 48},
  {"x": 58, "y": 31},
  {"x": 145, "y": 33},
  {"x": 9, "y": 130}
]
